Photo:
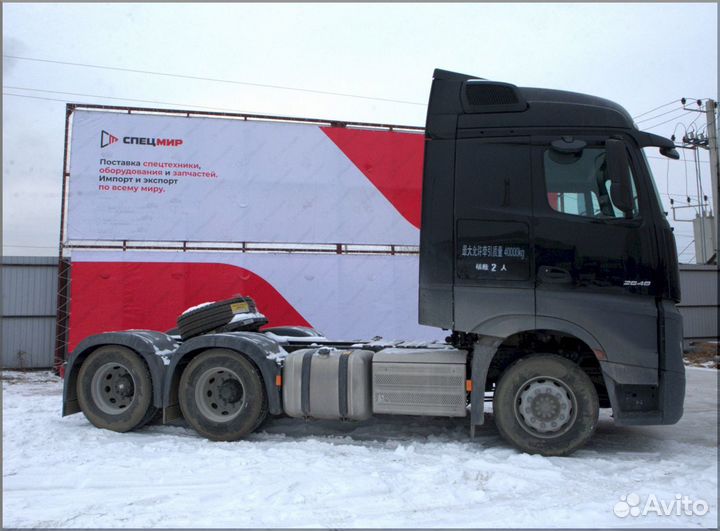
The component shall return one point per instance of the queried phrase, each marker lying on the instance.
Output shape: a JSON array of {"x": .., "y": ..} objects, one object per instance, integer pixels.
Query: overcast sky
[{"x": 639, "y": 55}]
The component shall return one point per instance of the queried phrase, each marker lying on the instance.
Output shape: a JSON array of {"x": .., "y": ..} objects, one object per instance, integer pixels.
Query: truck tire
[
  {"x": 545, "y": 404},
  {"x": 210, "y": 317},
  {"x": 262, "y": 418},
  {"x": 222, "y": 395},
  {"x": 114, "y": 389}
]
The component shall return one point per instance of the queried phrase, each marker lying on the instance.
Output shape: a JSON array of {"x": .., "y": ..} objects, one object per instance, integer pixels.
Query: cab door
[
  {"x": 595, "y": 265},
  {"x": 494, "y": 277}
]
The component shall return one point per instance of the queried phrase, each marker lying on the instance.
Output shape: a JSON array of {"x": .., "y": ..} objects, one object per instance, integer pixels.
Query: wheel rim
[
  {"x": 545, "y": 407},
  {"x": 220, "y": 394},
  {"x": 113, "y": 388}
]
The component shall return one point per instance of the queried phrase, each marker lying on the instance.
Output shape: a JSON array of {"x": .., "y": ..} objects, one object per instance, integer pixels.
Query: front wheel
[
  {"x": 545, "y": 404},
  {"x": 222, "y": 395}
]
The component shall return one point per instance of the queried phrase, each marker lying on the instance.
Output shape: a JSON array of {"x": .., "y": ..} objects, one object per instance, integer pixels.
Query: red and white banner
[
  {"x": 198, "y": 179},
  {"x": 346, "y": 297}
]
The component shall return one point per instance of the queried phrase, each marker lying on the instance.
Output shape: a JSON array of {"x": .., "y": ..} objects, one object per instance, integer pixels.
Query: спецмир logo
[{"x": 106, "y": 139}]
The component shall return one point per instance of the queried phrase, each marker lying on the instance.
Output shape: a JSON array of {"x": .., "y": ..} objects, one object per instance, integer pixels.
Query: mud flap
[{"x": 483, "y": 352}]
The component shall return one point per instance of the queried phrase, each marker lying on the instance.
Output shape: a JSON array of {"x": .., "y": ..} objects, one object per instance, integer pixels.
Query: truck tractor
[{"x": 544, "y": 252}]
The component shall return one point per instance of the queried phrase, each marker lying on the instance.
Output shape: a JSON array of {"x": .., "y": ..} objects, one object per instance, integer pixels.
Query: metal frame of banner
[{"x": 64, "y": 264}]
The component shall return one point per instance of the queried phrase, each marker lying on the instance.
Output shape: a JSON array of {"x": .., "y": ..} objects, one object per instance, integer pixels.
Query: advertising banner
[
  {"x": 142, "y": 177},
  {"x": 346, "y": 297}
]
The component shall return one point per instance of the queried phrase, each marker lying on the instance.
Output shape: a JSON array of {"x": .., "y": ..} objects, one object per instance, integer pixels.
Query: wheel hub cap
[
  {"x": 112, "y": 388},
  {"x": 219, "y": 394},
  {"x": 124, "y": 387},
  {"x": 545, "y": 407},
  {"x": 230, "y": 391}
]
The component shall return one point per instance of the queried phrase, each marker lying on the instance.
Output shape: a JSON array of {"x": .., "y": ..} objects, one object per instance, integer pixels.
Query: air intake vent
[{"x": 491, "y": 96}]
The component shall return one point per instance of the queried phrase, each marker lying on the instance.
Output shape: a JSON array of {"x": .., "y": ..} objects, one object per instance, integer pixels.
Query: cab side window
[{"x": 579, "y": 184}]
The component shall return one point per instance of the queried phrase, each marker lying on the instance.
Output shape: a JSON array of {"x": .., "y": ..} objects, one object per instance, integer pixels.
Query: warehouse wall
[
  {"x": 699, "y": 305},
  {"x": 29, "y": 298},
  {"x": 29, "y": 293}
]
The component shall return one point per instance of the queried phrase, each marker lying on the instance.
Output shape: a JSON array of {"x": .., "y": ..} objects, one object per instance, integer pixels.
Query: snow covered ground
[{"x": 393, "y": 472}]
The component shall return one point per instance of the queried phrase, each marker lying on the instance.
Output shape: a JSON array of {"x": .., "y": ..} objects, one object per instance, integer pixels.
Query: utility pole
[{"x": 712, "y": 129}]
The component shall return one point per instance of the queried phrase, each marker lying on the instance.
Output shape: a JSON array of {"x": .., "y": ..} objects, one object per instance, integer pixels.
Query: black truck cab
[{"x": 542, "y": 231}]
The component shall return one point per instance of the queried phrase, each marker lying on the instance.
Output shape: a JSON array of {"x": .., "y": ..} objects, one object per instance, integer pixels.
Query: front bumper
[{"x": 641, "y": 396}]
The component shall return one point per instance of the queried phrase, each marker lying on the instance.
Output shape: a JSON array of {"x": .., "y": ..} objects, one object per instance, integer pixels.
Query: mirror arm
[{"x": 619, "y": 169}]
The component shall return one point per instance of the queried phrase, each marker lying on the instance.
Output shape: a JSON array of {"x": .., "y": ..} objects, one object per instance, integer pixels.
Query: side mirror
[
  {"x": 669, "y": 152},
  {"x": 619, "y": 170}
]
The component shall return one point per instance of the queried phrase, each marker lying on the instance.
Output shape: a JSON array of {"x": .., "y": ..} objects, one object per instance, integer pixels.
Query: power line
[
  {"x": 694, "y": 120},
  {"x": 701, "y": 195},
  {"x": 664, "y": 158},
  {"x": 681, "y": 100},
  {"x": 685, "y": 249},
  {"x": 693, "y": 196},
  {"x": 33, "y": 97},
  {"x": 687, "y": 191},
  {"x": 667, "y": 121},
  {"x": 116, "y": 98},
  {"x": 658, "y": 116},
  {"x": 122, "y": 99},
  {"x": 215, "y": 80},
  {"x": 656, "y": 108}
]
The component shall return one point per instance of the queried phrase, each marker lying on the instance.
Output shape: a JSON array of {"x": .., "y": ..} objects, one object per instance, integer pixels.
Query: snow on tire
[
  {"x": 114, "y": 389},
  {"x": 545, "y": 404}
]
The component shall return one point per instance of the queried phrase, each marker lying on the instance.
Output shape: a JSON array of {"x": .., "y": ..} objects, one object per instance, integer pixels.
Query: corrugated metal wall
[
  {"x": 699, "y": 305},
  {"x": 29, "y": 298}
]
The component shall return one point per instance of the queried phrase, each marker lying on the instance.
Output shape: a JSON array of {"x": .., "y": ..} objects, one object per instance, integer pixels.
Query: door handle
[{"x": 554, "y": 275}]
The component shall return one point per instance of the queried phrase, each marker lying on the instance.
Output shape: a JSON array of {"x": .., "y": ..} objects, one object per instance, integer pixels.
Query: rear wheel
[
  {"x": 545, "y": 404},
  {"x": 222, "y": 395},
  {"x": 114, "y": 389}
]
